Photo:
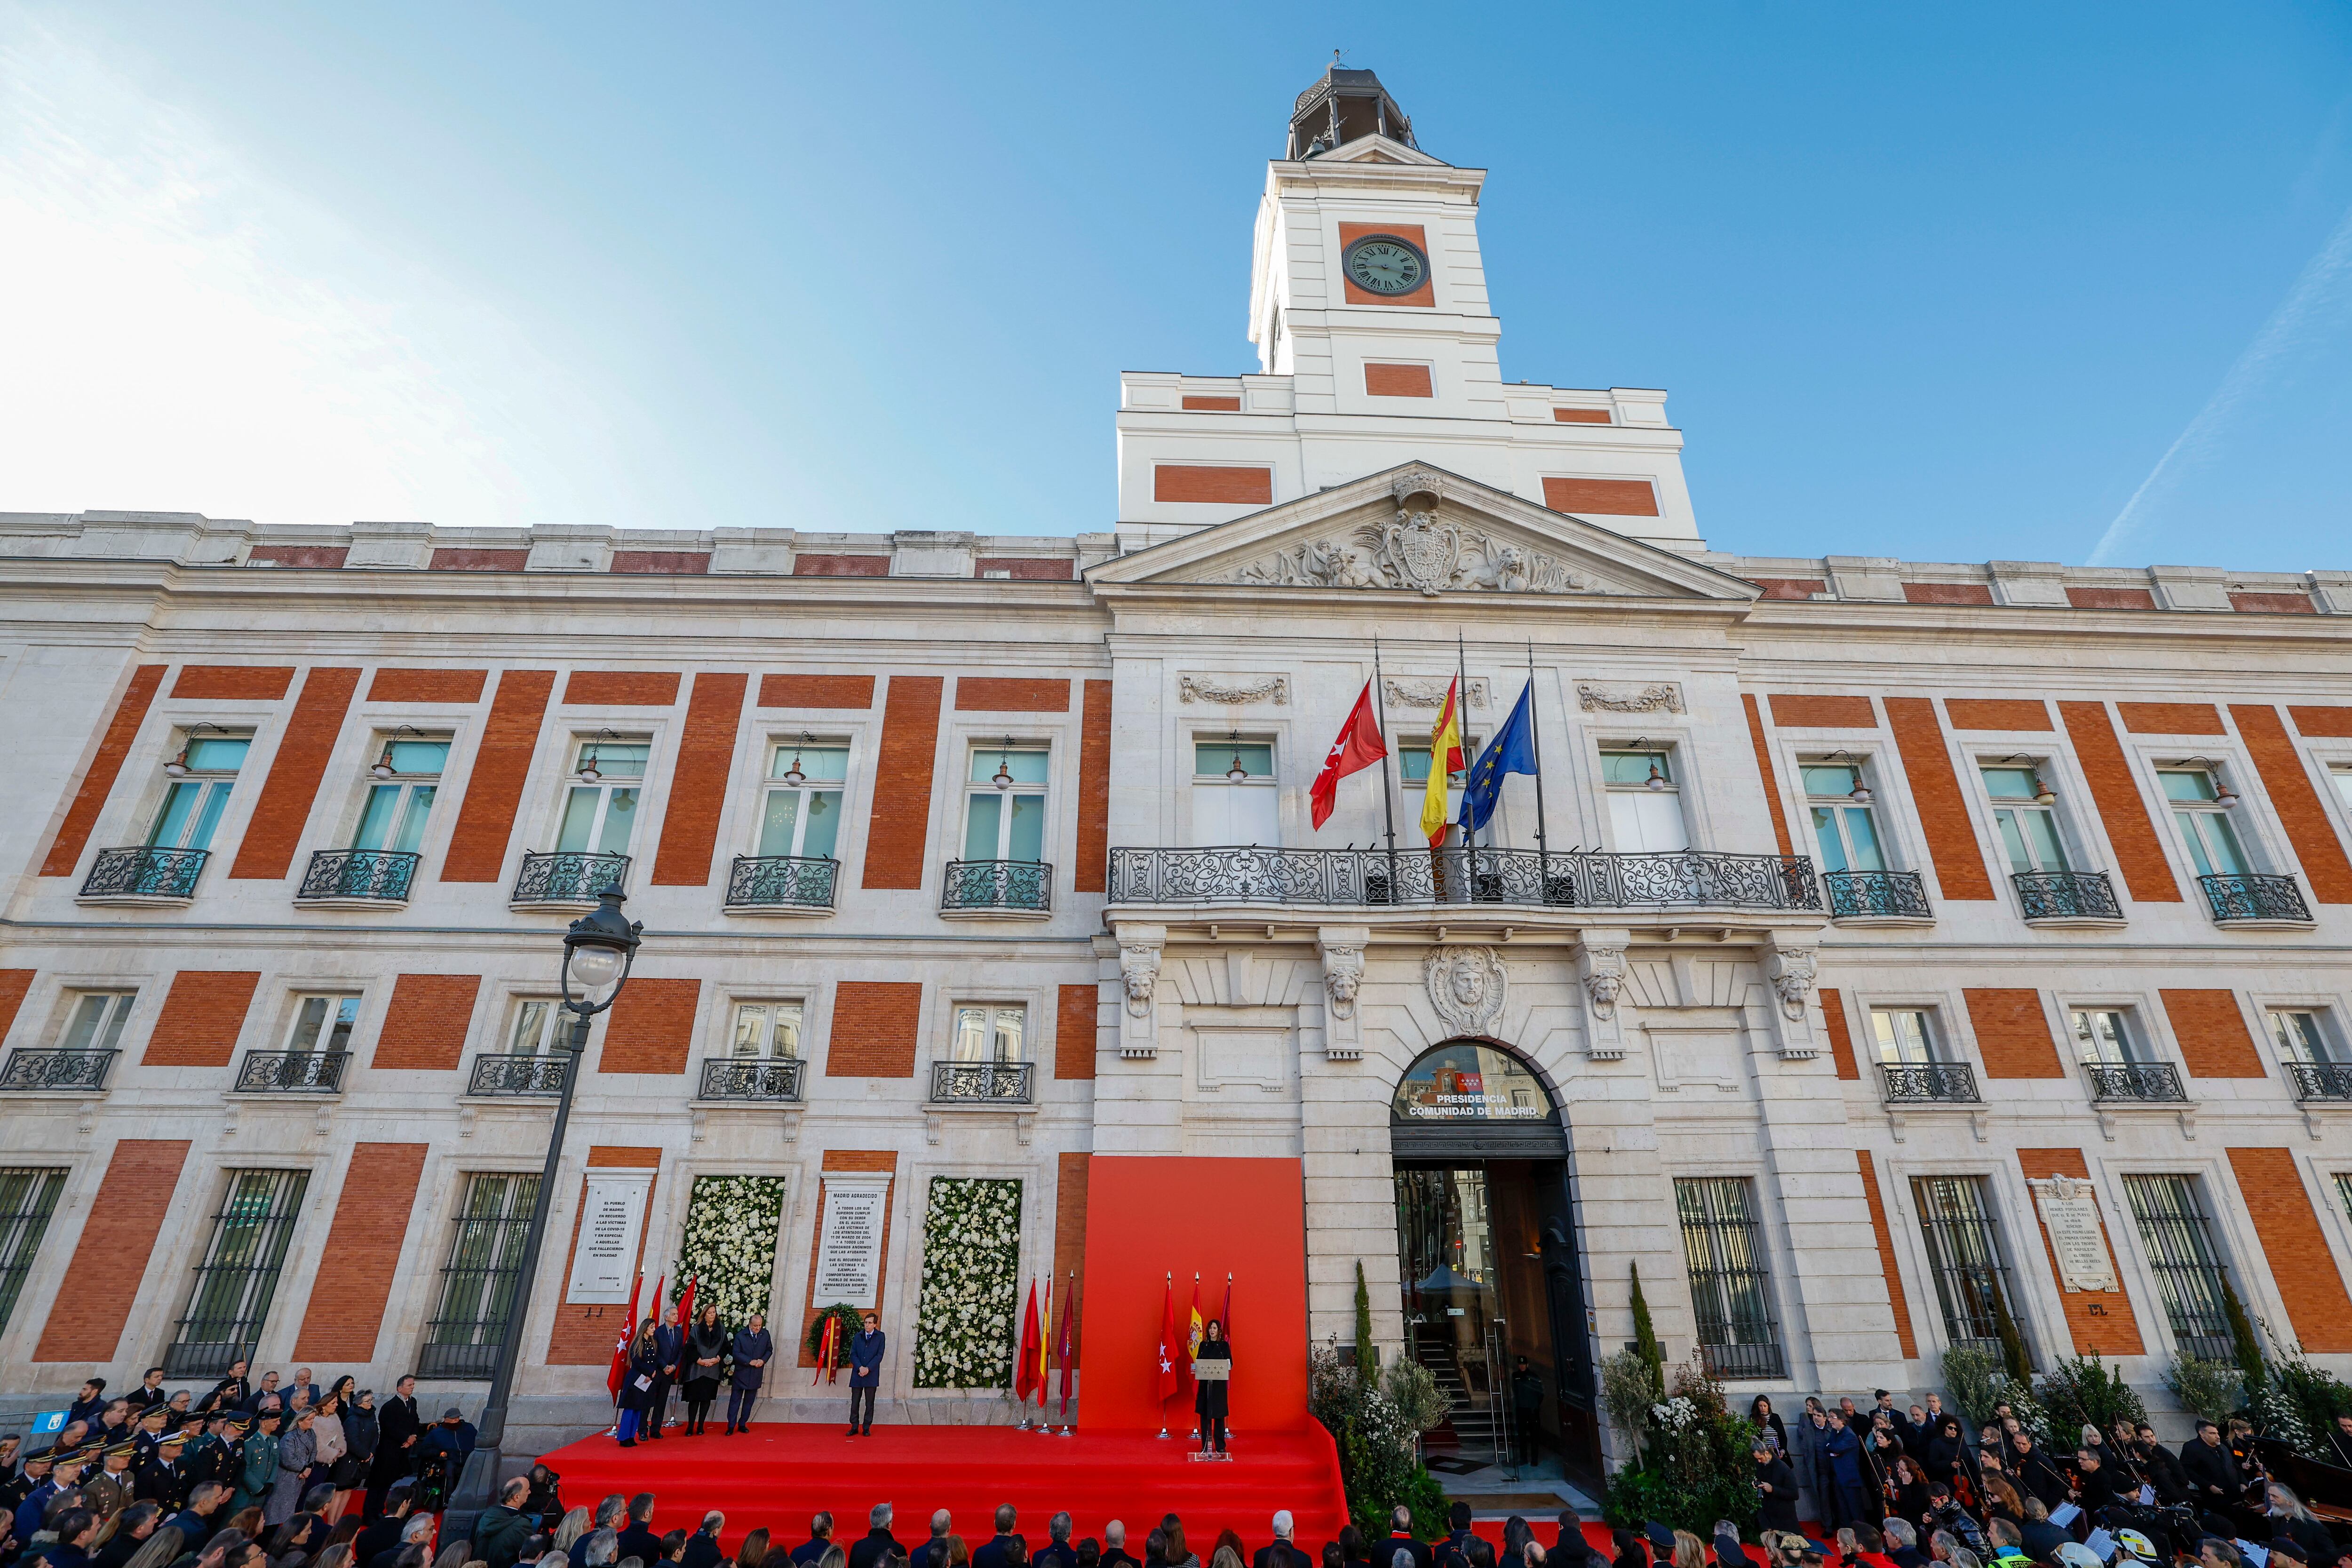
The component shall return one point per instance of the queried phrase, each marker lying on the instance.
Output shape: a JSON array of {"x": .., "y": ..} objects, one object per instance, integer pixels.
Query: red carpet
[{"x": 779, "y": 1475}]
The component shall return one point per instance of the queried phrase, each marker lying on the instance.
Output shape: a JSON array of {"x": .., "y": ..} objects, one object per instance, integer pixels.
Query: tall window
[
  {"x": 478, "y": 1283},
  {"x": 1413, "y": 773},
  {"x": 1971, "y": 1283},
  {"x": 767, "y": 1029},
  {"x": 1645, "y": 807},
  {"x": 536, "y": 1019},
  {"x": 988, "y": 1032},
  {"x": 1005, "y": 805},
  {"x": 1843, "y": 826},
  {"x": 2027, "y": 825},
  {"x": 1234, "y": 796},
  {"x": 2300, "y": 1037},
  {"x": 97, "y": 1022},
  {"x": 193, "y": 805},
  {"x": 1731, "y": 1288},
  {"x": 2344, "y": 1190},
  {"x": 2103, "y": 1038},
  {"x": 2341, "y": 777},
  {"x": 238, "y": 1276},
  {"x": 28, "y": 1195},
  {"x": 394, "y": 817},
  {"x": 2204, "y": 822},
  {"x": 2178, "y": 1241},
  {"x": 800, "y": 808},
  {"x": 1903, "y": 1035},
  {"x": 323, "y": 1023},
  {"x": 600, "y": 806}
]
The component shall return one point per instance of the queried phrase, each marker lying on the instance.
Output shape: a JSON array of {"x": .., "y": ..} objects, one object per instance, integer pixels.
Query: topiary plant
[
  {"x": 1645, "y": 1339},
  {"x": 1368, "y": 1359},
  {"x": 2244, "y": 1348}
]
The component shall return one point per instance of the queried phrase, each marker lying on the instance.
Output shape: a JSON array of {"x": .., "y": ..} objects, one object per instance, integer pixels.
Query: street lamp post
[{"x": 598, "y": 951}]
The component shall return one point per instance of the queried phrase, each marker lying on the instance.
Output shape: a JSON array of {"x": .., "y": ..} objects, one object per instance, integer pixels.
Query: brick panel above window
[
  {"x": 1765, "y": 770},
  {"x": 1997, "y": 713},
  {"x": 1607, "y": 498},
  {"x": 697, "y": 790},
  {"x": 622, "y": 688},
  {"x": 1211, "y": 486},
  {"x": 897, "y": 832},
  {"x": 202, "y": 1017},
  {"x": 2322, "y": 723},
  {"x": 14, "y": 986},
  {"x": 1808, "y": 712},
  {"x": 1947, "y": 594},
  {"x": 2170, "y": 718},
  {"x": 1012, "y": 694},
  {"x": 2214, "y": 1039},
  {"x": 2013, "y": 1034},
  {"x": 425, "y": 1022},
  {"x": 816, "y": 692},
  {"x": 873, "y": 1026},
  {"x": 2111, "y": 598},
  {"x": 841, "y": 566},
  {"x": 453, "y": 687},
  {"x": 673, "y": 563},
  {"x": 1398, "y": 381},
  {"x": 651, "y": 1027},
  {"x": 233, "y": 682},
  {"x": 451, "y": 559}
]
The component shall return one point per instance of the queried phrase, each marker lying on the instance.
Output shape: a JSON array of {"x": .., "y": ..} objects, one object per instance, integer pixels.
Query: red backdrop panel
[{"x": 1148, "y": 1216}]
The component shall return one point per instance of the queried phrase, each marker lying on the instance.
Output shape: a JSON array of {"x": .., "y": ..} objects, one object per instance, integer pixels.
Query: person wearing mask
[
  {"x": 706, "y": 1357},
  {"x": 752, "y": 1350},
  {"x": 865, "y": 1351},
  {"x": 1776, "y": 1488}
]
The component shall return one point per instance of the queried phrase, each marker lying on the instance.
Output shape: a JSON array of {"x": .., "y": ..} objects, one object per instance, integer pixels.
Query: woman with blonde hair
[
  {"x": 158, "y": 1549},
  {"x": 834, "y": 1557},
  {"x": 1690, "y": 1552},
  {"x": 573, "y": 1526}
]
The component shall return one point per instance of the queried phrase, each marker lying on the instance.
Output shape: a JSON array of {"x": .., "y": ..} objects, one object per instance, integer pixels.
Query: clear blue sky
[{"x": 1947, "y": 283}]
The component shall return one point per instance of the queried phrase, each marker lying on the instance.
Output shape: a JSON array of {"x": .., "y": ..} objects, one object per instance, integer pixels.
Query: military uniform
[
  {"x": 156, "y": 1477},
  {"x": 109, "y": 1492}
]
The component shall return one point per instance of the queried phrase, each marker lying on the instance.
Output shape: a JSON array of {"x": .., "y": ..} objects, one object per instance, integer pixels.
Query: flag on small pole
[
  {"x": 1444, "y": 758},
  {"x": 1024, "y": 1374},
  {"x": 1193, "y": 1349},
  {"x": 1357, "y": 746},
  {"x": 1168, "y": 1380},
  {"x": 1069, "y": 1347},
  {"x": 828, "y": 1350},
  {"x": 621, "y": 1349}
]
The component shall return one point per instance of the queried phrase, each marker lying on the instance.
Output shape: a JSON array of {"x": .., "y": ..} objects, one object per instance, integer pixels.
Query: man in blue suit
[
  {"x": 865, "y": 1374},
  {"x": 670, "y": 1344}
]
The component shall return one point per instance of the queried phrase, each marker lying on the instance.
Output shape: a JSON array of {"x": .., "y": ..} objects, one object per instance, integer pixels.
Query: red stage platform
[{"x": 777, "y": 1475}]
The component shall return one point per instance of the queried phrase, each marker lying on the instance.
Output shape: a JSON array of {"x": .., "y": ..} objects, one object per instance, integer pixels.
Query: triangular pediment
[
  {"x": 1379, "y": 149},
  {"x": 1418, "y": 529}
]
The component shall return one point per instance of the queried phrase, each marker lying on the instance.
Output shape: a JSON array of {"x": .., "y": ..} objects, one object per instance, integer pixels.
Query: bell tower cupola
[{"x": 1344, "y": 106}]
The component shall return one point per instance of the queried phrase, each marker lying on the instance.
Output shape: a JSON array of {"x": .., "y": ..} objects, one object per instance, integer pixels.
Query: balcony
[
  {"x": 1572, "y": 879},
  {"x": 750, "y": 1079},
  {"x": 1870, "y": 896},
  {"x": 1929, "y": 1083},
  {"x": 2254, "y": 901},
  {"x": 980, "y": 1083},
  {"x": 567, "y": 878},
  {"x": 1000, "y": 887},
  {"x": 518, "y": 1076},
  {"x": 56, "y": 1072},
  {"x": 2312, "y": 1081},
  {"x": 781, "y": 884},
  {"x": 144, "y": 874},
  {"x": 364, "y": 877},
  {"x": 292, "y": 1072},
  {"x": 2066, "y": 897},
  {"x": 2133, "y": 1083}
]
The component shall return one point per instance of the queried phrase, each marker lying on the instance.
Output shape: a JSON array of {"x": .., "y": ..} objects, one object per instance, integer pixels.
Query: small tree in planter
[
  {"x": 2083, "y": 1391},
  {"x": 2209, "y": 1390},
  {"x": 1691, "y": 1464}
]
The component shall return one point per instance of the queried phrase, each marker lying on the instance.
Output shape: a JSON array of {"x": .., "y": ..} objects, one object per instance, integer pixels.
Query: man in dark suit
[
  {"x": 1057, "y": 1552},
  {"x": 1280, "y": 1552},
  {"x": 150, "y": 1392},
  {"x": 636, "y": 1540},
  {"x": 202, "y": 1517},
  {"x": 2216, "y": 1478},
  {"x": 992, "y": 1553},
  {"x": 399, "y": 1427},
  {"x": 811, "y": 1551},
  {"x": 877, "y": 1546},
  {"x": 1401, "y": 1539},
  {"x": 866, "y": 1379},
  {"x": 1115, "y": 1552},
  {"x": 670, "y": 1344}
]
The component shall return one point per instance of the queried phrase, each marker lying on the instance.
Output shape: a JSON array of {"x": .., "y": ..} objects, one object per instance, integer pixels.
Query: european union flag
[{"x": 1512, "y": 750}]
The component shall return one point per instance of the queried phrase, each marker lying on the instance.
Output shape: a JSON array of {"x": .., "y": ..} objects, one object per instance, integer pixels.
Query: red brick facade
[
  {"x": 673, "y": 563},
  {"x": 425, "y": 1023},
  {"x": 1604, "y": 498},
  {"x": 1211, "y": 485},
  {"x": 2139, "y": 854},
  {"x": 2100, "y": 1322},
  {"x": 841, "y": 566},
  {"x": 449, "y": 687},
  {"x": 14, "y": 984},
  {"x": 477, "y": 846},
  {"x": 816, "y": 692},
  {"x": 1936, "y": 792},
  {"x": 2213, "y": 1034},
  {"x": 1091, "y": 861},
  {"x": 85, "y": 1324},
  {"x": 1070, "y": 1172},
  {"x": 1074, "y": 1032},
  {"x": 2309, "y": 1277},
  {"x": 1888, "y": 1268},
  {"x": 2013, "y": 1034},
  {"x": 1765, "y": 772},
  {"x": 874, "y": 1026},
  {"x": 65, "y": 850},
  {"x": 2020, "y": 713},
  {"x": 1398, "y": 381},
  {"x": 898, "y": 835},
  {"x": 651, "y": 1027},
  {"x": 303, "y": 753},
  {"x": 202, "y": 1018},
  {"x": 1947, "y": 594},
  {"x": 231, "y": 682},
  {"x": 622, "y": 688},
  {"x": 2287, "y": 780},
  {"x": 1841, "y": 1037},
  {"x": 345, "y": 1310},
  {"x": 1012, "y": 694},
  {"x": 448, "y": 558},
  {"x": 1808, "y": 712},
  {"x": 2170, "y": 718},
  {"x": 698, "y": 790}
]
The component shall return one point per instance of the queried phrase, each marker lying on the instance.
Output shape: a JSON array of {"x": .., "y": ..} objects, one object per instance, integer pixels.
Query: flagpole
[
  {"x": 1460, "y": 716},
  {"x": 1388, "y": 791},
  {"x": 1534, "y": 734}
]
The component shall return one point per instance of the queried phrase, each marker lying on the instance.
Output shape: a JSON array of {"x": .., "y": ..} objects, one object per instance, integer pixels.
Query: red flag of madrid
[
  {"x": 1357, "y": 746},
  {"x": 1025, "y": 1376},
  {"x": 1170, "y": 1352}
]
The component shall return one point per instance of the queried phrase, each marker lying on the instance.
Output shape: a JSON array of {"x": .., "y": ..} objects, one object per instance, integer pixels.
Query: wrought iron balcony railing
[
  {"x": 2066, "y": 896},
  {"x": 980, "y": 1083},
  {"x": 144, "y": 871},
  {"x": 2134, "y": 1080},
  {"x": 1876, "y": 895},
  {"x": 1943, "y": 1083},
  {"x": 383, "y": 874},
  {"x": 57, "y": 1070},
  {"x": 781, "y": 882},
  {"x": 2321, "y": 1080},
  {"x": 748, "y": 1078},
  {"x": 292, "y": 1072},
  {"x": 1026, "y": 885},
  {"x": 1572, "y": 879},
  {"x": 568, "y": 877},
  {"x": 2248, "y": 897},
  {"x": 518, "y": 1075}
]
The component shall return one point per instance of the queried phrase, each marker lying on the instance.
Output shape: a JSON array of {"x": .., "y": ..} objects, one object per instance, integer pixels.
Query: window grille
[
  {"x": 478, "y": 1283},
  {"x": 2344, "y": 1190},
  {"x": 2178, "y": 1241},
  {"x": 28, "y": 1197},
  {"x": 1731, "y": 1288},
  {"x": 238, "y": 1275},
  {"x": 1971, "y": 1282}
]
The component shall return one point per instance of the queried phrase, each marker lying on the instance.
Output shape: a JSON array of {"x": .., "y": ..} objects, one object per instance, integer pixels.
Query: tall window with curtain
[{"x": 1731, "y": 1285}]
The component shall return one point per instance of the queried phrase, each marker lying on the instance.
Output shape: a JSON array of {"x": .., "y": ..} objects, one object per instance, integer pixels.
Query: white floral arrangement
[
  {"x": 731, "y": 1244},
  {"x": 1675, "y": 1414},
  {"x": 971, "y": 1265}
]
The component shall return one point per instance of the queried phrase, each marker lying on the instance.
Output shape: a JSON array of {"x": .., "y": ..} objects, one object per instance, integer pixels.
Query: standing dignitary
[
  {"x": 398, "y": 1427},
  {"x": 866, "y": 1373},
  {"x": 669, "y": 1341},
  {"x": 752, "y": 1351},
  {"x": 706, "y": 1356},
  {"x": 256, "y": 1469}
]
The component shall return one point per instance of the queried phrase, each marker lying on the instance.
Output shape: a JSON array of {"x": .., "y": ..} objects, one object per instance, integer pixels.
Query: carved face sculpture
[{"x": 1468, "y": 981}]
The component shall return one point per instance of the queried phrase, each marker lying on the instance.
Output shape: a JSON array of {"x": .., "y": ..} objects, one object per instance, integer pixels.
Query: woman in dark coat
[
  {"x": 1951, "y": 1460},
  {"x": 752, "y": 1350},
  {"x": 1209, "y": 1393},
  {"x": 706, "y": 1354},
  {"x": 2036, "y": 1474},
  {"x": 1776, "y": 1487},
  {"x": 1907, "y": 1495},
  {"x": 1760, "y": 1410},
  {"x": 644, "y": 1370}
]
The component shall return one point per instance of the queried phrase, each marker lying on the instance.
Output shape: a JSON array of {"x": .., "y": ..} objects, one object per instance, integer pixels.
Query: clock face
[{"x": 1383, "y": 264}]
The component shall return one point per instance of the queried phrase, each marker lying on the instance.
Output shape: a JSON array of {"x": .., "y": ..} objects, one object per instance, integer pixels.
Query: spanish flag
[{"x": 1445, "y": 757}]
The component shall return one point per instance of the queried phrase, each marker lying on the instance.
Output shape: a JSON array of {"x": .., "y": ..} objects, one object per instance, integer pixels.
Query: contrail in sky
[{"x": 2287, "y": 330}]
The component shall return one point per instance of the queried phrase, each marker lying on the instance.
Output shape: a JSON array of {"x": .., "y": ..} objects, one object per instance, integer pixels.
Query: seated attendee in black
[
  {"x": 702, "y": 1546},
  {"x": 2042, "y": 1539},
  {"x": 636, "y": 1540},
  {"x": 820, "y": 1540}
]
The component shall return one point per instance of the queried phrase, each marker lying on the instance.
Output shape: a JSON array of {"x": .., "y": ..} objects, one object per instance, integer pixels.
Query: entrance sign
[
  {"x": 612, "y": 1219},
  {"x": 849, "y": 1241},
  {"x": 1462, "y": 1081},
  {"x": 2070, "y": 1213}
]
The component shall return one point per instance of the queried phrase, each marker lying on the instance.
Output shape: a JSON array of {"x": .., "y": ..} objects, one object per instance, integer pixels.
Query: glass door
[{"x": 1446, "y": 1246}]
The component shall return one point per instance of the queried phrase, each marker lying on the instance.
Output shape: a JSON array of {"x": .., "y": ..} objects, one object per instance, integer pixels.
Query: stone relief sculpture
[
  {"x": 1792, "y": 977},
  {"x": 1411, "y": 693},
  {"x": 1663, "y": 697},
  {"x": 1138, "y": 966},
  {"x": 1465, "y": 985},
  {"x": 1418, "y": 551},
  {"x": 1343, "y": 973},
  {"x": 1233, "y": 688},
  {"x": 1604, "y": 977}
]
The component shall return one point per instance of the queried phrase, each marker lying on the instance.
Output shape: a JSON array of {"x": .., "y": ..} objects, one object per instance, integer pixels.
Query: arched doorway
[{"x": 1486, "y": 1251}]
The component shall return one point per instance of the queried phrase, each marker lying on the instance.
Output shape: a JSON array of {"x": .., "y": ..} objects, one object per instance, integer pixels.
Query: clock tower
[{"x": 1376, "y": 345}]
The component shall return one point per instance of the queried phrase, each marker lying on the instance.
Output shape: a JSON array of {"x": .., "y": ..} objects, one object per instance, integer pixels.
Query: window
[
  {"x": 1236, "y": 810},
  {"x": 199, "y": 792},
  {"x": 2028, "y": 828},
  {"x": 97, "y": 1022},
  {"x": 1843, "y": 826},
  {"x": 1903, "y": 1035},
  {"x": 28, "y": 1197},
  {"x": 1731, "y": 1289},
  {"x": 478, "y": 1283},
  {"x": 2300, "y": 1038},
  {"x": 536, "y": 1019},
  {"x": 2341, "y": 777},
  {"x": 1645, "y": 808},
  {"x": 1413, "y": 764},
  {"x": 2204, "y": 822},
  {"x": 1971, "y": 1283},
  {"x": 324, "y": 1024},
  {"x": 600, "y": 808},
  {"x": 800, "y": 810},
  {"x": 766, "y": 1029},
  {"x": 238, "y": 1275},
  {"x": 394, "y": 817},
  {"x": 2179, "y": 1247},
  {"x": 2103, "y": 1038},
  {"x": 986, "y": 1032},
  {"x": 2344, "y": 1190},
  {"x": 1005, "y": 805}
]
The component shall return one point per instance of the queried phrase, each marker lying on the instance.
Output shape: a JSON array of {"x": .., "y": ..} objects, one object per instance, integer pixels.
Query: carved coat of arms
[{"x": 1426, "y": 552}]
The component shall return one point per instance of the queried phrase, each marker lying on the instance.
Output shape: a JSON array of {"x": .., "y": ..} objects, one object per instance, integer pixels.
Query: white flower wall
[
  {"x": 971, "y": 1265},
  {"x": 730, "y": 1244}
]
